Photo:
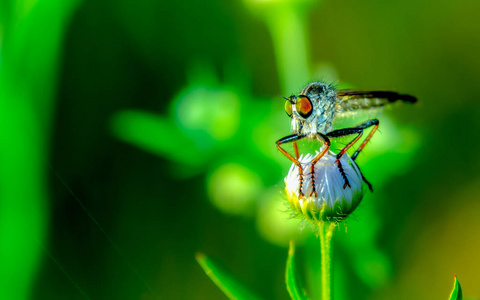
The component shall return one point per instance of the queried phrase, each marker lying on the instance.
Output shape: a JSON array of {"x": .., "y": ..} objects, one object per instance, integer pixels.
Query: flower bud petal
[{"x": 333, "y": 202}]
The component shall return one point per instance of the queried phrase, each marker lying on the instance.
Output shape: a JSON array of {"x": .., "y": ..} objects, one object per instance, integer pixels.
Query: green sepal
[
  {"x": 457, "y": 290},
  {"x": 292, "y": 281},
  {"x": 224, "y": 281}
]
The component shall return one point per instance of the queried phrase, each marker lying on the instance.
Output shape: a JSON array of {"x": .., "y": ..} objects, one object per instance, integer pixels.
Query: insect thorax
[{"x": 323, "y": 98}]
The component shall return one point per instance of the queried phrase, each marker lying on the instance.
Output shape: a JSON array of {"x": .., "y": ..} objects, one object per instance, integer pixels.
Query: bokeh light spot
[
  {"x": 233, "y": 188},
  {"x": 274, "y": 222},
  {"x": 214, "y": 111}
]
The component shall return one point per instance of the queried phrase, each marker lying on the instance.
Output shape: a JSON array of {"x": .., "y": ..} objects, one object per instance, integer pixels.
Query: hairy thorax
[{"x": 320, "y": 121}]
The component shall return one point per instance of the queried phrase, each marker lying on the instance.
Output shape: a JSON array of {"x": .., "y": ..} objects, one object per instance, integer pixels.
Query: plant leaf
[
  {"x": 294, "y": 287},
  {"x": 457, "y": 290},
  {"x": 224, "y": 281},
  {"x": 157, "y": 135}
]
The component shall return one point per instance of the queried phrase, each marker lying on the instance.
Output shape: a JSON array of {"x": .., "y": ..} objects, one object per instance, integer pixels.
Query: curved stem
[{"x": 326, "y": 233}]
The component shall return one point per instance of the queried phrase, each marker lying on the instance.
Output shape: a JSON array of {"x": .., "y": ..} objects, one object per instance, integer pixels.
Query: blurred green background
[{"x": 137, "y": 133}]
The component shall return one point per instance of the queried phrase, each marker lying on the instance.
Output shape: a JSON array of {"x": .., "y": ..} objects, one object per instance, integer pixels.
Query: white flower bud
[{"x": 333, "y": 202}]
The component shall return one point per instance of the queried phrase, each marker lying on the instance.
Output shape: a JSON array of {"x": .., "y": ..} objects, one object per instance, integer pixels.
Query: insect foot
[
  {"x": 340, "y": 168},
  {"x": 329, "y": 200}
]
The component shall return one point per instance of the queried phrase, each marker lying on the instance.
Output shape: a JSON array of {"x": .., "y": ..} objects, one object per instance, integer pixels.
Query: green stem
[
  {"x": 287, "y": 26},
  {"x": 326, "y": 233}
]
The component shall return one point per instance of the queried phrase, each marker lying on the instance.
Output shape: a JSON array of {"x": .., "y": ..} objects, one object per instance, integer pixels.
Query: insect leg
[
  {"x": 344, "y": 132},
  {"x": 359, "y": 131},
  {"x": 326, "y": 141},
  {"x": 370, "y": 187},
  {"x": 293, "y": 138},
  {"x": 369, "y": 123},
  {"x": 295, "y": 148}
]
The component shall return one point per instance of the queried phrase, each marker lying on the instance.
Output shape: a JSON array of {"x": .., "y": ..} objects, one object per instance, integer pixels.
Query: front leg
[
  {"x": 293, "y": 138},
  {"x": 326, "y": 141},
  {"x": 295, "y": 148}
]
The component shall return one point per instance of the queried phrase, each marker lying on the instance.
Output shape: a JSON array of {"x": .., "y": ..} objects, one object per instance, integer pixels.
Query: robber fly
[{"x": 313, "y": 112}]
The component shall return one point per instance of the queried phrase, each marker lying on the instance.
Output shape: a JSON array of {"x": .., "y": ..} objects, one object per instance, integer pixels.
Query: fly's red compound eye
[
  {"x": 304, "y": 106},
  {"x": 288, "y": 108}
]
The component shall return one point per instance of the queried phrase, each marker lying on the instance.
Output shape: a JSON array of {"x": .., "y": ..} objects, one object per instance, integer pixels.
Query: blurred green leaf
[
  {"x": 294, "y": 286},
  {"x": 457, "y": 290},
  {"x": 229, "y": 285},
  {"x": 157, "y": 135},
  {"x": 31, "y": 44}
]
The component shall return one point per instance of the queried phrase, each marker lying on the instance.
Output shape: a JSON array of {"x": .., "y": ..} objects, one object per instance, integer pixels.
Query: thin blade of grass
[
  {"x": 224, "y": 281},
  {"x": 292, "y": 281}
]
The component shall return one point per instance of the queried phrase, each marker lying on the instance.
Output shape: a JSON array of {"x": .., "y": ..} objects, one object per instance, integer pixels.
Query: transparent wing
[{"x": 351, "y": 100}]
